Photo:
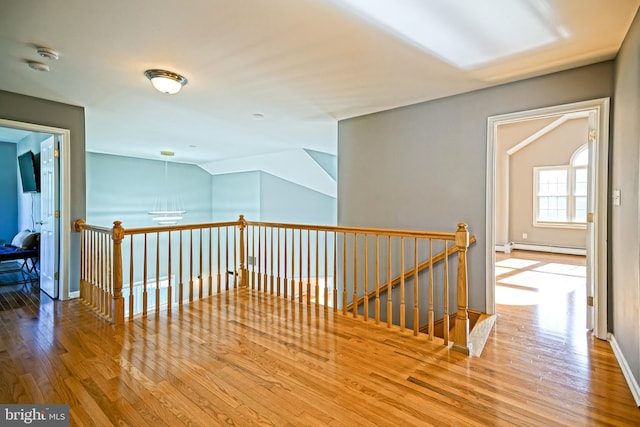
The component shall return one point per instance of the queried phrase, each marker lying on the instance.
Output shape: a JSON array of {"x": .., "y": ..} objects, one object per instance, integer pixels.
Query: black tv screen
[{"x": 29, "y": 172}]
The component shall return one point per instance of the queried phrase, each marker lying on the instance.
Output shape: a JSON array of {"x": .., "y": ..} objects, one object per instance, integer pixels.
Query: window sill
[{"x": 567, "y": 225}]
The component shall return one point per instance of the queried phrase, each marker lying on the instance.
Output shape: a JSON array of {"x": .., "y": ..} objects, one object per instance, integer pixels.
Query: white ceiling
[{"x": 303, "y": 64}]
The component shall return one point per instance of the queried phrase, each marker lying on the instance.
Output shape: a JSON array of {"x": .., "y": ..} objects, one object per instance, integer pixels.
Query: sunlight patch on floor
[
  {"x": 516, "y": 263},
  {"x": 569, "y": 270},
  {"x": 503, "y": 270},
  {"x": 529, "y": 287}
]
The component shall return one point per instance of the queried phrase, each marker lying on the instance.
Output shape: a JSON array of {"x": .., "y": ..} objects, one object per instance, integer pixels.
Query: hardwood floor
[{"x": 243, "y": 358}]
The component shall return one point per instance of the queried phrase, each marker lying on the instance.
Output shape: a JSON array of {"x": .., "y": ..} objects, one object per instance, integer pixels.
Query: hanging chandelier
[{"x": 168, "y": 210}]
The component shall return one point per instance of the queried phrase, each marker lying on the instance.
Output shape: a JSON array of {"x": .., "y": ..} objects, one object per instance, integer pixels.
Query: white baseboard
[
  {"x": 541, "y": 248},
  {"x": 626, "y": 370},
  {"x": 75, "y": 294}
]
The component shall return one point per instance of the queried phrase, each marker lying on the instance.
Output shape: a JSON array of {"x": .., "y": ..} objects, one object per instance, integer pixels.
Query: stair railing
[{"x": 130, "y": 272}]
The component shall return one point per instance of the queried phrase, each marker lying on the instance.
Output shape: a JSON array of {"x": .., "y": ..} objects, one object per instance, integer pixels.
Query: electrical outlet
[{"x": 524, "y": 236}]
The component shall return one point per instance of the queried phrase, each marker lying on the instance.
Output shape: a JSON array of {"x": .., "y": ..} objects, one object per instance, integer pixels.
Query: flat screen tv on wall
[{"x": 29, "y": 165}]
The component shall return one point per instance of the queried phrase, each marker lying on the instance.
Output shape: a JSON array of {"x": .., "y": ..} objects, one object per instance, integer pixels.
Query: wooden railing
[{"x": 130, "y": 272}]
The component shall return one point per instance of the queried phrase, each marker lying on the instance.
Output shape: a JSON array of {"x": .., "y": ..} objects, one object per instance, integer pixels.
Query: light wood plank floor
[{"x": 242, "y": 358}]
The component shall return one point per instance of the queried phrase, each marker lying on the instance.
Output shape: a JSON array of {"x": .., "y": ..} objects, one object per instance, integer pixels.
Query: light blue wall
[
  {"x": 286, "y": 201},
  {"x": 8, "y": 192},
  {"x": 235, "y": 194},
  {"x": 126, "y": 188}
]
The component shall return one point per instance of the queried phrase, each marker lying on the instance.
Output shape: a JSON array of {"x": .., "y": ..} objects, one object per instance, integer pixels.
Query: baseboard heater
[{"x": 507, "y": 248}]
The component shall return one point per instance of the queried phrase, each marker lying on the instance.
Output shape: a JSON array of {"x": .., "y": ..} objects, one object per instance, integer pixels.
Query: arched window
[{"x": 561, "y": 192}]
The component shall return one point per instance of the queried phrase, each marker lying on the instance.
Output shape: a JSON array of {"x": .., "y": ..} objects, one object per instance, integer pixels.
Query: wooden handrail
[{"x": 422, "y": 266}]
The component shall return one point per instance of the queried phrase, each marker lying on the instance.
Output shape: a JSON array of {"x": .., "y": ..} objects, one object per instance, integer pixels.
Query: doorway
[
  {"x": 596, "y": 247},
  {"x": 61, "y": 242}
]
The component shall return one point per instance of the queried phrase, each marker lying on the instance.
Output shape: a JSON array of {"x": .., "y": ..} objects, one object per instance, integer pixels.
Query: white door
[
  {"x": 50, "y": 214},
  {"x": 591, "y": 209}
]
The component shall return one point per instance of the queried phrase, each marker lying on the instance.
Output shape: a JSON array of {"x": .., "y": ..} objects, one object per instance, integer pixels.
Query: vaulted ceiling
[{"x": 277, "y": 75}]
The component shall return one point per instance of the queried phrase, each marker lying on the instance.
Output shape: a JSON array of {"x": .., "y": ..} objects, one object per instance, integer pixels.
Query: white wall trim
[
  {"x": 601, "y": 105},
  {"x": 541, "y": 248},
  {"x": 74, "y": 294},
  {"x": 65, "y": 196},
  {"x": 626, "y": 370}
]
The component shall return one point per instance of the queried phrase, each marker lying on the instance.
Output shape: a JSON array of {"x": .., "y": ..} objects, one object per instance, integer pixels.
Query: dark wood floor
[{"x": 242, "y": 358}]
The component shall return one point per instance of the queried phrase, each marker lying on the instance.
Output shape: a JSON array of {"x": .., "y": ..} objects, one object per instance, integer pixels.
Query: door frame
[
  {"x": 64, "y": 185},
  {"x": 601, "y": 161}
]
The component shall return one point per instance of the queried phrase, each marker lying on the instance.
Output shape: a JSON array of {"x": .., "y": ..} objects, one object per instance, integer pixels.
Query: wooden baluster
[
  {"x": 157, "y": 273},
  {"x": 344, "y": 273},
  {"x": 284, "y": 267},
  {"x": 253, "y": 254},
  {"x": 431, "y": 319},
  {"x": 402, "y": 302},
  {"x": 259, "y": 258},
  {"x": 265, "y": 276},
  {"x": 180, "y": 273},
  {"x": 278, "y": 282},
  {"x": 325, "y": 295},
  {"x": 144, "y": 277},
  {"x": 243, "y": 279},
  {"x": 461, "y": 341},
  {"x": 210, "y": 261},
  {"x": 108, "y": 302},
  {"x": 416, "y": 285},
  {"x": 271, "y": 278},
  {"x": 355, "y": 275},
  {"x": 237, "y": 271},
  {"x": 170, "y": 282},
  {"x": 101, "y": 296},
  {"x": 200, "y": 270},
  {"x": 300, "y": 282},
  {"x": 131, "y": 301},
  {"x": 118, "y": 302},
  {"x": 293, "y": 263},
  {"x": 226, "y": 254},
  {"x": 308, "y": 266},
  {"x": 446, "y": 294},
  {"x": 335, "y": 271},
  {"x": 366, "y": 280},
  {"x": 219, "y": 277},
  {"x": 190, "y": 265},
  {"x": 378, "y": 279}
]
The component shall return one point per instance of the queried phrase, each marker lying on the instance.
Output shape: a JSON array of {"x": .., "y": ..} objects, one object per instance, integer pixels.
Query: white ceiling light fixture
[
  {"x": 38, "y": 66},
  {"x": 47, "y": 53},
  {"x": 166, "y": 81}
]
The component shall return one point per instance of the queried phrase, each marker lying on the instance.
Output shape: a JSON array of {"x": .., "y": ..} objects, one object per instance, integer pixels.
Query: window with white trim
[{"x": 560, "y": 192}]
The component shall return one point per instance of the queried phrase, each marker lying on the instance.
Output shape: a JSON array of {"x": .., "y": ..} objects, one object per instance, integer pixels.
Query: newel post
[
  {"x": 461, "y": 339},
  {"x": 118, "y": 300},
  {"x": 243, "y": 274}
]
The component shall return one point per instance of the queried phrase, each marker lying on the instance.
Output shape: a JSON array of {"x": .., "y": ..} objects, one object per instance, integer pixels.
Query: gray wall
[
  {"x": 126, "y": 188},
  {"x": 27, "y": 109},
  {"x": 424, "y": 166},
  {"x": 625, "y": 236},
  {"x": 9, "y": 185}
]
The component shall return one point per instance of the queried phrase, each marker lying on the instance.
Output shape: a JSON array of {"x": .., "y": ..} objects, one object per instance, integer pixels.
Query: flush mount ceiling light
[
  {"x": 45, "y": 52},
  {"x": 38, "y": 66},
  {"x": 166, "y": 81}
]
